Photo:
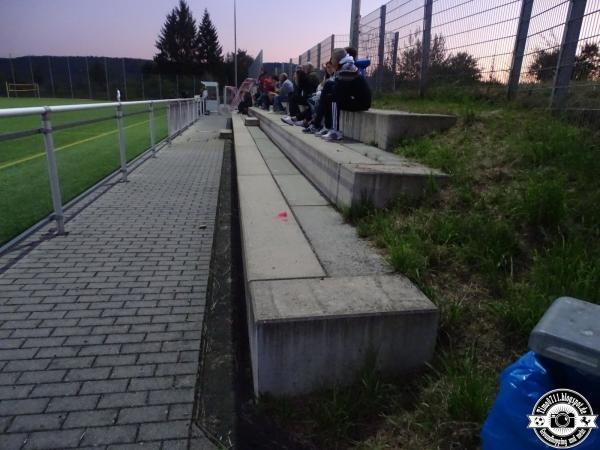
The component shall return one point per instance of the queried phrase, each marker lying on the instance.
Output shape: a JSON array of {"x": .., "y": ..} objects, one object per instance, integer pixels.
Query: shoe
[
  {"x": 322, "y": 132},
  {"x": 288, "y": 120},
  {"x": 311, "y": 129},
  {"x": 333, "y": 136},
  {"x": 299, "y": 123}
]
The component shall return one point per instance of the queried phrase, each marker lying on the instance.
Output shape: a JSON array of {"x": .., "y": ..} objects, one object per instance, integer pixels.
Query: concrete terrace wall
[{"x": 320, "y": 300}]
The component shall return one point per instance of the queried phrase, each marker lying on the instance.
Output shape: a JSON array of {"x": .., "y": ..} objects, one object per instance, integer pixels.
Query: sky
[{"x": 129, "y": 28}]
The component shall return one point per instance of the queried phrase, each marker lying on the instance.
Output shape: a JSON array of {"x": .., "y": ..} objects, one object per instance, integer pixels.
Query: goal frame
[{"x": 15, "y": 88}]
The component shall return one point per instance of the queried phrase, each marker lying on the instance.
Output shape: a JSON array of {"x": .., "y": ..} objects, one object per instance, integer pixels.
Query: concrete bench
[
  {"x": 385, "y": 128},
  {"x": 320, "y": 301},
  {"x": 348, "y": 173}
]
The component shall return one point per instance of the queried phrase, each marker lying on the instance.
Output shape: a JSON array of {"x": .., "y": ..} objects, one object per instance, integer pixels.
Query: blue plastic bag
[{"x": 521, "y": 385}]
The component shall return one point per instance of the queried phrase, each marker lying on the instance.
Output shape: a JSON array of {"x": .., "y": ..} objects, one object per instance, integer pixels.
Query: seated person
[
  {"x": 307, "y": 82},
  {"x": 245, "y": 103},
  {"x": 323, "y": 103},
  {"x": 351, "y": 91},
  {"x": 286, "y": 87},
  {"x": 267, "y": 87},
  {"x": 259, "y": 83}
]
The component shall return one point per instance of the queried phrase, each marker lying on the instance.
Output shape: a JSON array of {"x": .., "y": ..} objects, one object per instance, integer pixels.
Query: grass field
[
  {"x": 517, "y": 226},
  {"x": 84, "y": 155}
]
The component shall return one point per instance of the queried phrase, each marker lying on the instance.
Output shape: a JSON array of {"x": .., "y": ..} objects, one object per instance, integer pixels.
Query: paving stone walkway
[{"x": 100, "y": 330}]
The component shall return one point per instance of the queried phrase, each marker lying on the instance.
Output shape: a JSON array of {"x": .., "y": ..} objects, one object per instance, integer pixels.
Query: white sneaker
[
  {"x": 333, "y": 136},
  {"x": 322, "y": 132},
  {"x": 288, "y": 120},
  {"x": 299, "y": 123}
]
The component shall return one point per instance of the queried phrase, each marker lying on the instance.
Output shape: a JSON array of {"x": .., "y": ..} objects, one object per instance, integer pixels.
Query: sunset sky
[{"x": 128, "y": 28}]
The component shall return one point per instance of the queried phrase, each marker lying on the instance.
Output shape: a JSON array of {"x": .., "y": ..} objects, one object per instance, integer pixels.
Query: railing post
[
  {"x": 566, "y": 57},
  {"x": 122, "y": 152},
  {"x": 53, "y": 173},
  {"x": 520, "y": 41},
  {"x": 425, "y": 48},
  {"x": 381, "y": 50},
  {"x": 152, "y": 130},
  {"x": 395, "y": 59},
  {"x": 179, "y": 116},
  {"x": 169, "y": 123},
  {"x": 332, "y": 43}
]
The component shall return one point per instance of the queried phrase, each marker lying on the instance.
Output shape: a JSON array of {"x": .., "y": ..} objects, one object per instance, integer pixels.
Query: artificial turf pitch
[{"x": 84, "y": 155}]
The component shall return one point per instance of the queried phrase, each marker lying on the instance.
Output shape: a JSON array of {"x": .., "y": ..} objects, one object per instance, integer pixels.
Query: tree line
[{"x": 463, "y": 67}]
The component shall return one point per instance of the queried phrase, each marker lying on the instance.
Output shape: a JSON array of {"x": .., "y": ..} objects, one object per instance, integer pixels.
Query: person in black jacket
[
  {"x": 351, "y": 91},
  {"x": 307, "y": 82}
]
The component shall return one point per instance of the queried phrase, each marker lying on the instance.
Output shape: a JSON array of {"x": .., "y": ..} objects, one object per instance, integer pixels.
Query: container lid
[{"x": 569, "y": 332}]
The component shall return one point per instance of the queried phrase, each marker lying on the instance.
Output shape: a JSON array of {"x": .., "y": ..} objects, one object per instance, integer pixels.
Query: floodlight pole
[{"x": 235, "y": 68}]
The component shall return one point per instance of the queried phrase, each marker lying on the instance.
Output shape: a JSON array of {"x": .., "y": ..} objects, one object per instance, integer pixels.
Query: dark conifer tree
[
  {"x": 177, "y": 43},
  {"x": 210, "y": 52}
]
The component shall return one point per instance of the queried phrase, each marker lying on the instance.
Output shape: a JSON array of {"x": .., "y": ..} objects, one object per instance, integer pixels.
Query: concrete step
[
  {"x": 320, "y": 300},
  {"x": 348, "y": 173},
  {"x": 385, "y": 128},
  {"x": 316, "y": 333},
  {"x": 250, "y": 122}
]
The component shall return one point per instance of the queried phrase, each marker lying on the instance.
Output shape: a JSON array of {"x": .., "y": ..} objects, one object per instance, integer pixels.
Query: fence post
[
  {"x": 51, "y": 77},
  {"x": 332, "y": 43},
  {"x": 520, "y": 41},
  {"x": 152, "y": 130},
  {"x": 425, "y": 48},
  {"x": 395, "y": 59},
  {"x": 354, "y": 24},
  {"x": 566, "y": 57},
  {"x": 12, "y": 68},
  {"x": 87, "y": 70},
  {"x": 53, "y": 173},
  {"x": 308, "y": 58},
  {"x": 319, "y": 56},
  {"x": 31, "y": 70},
  {"x": 381, "y": 49},
  {"x": 70, "y": 78},
  {"x": 122, "y": 152},
  {"x": 124, "y": 78},
  {"x": 106, "y": 78}
]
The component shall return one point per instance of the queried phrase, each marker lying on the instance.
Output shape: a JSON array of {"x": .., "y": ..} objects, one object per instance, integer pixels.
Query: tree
[
  {"x": 587, "y": 63},
  {"x": 461, "y": 67},
  {"x": 409, "y": 62},
  {"x": 178, "y": 41},
  {"x": 210, "y": 52},
  {"x": 586, "y": 67},
  {"x": 543, "y": 66},
  {"x": 244, "y": 61}
]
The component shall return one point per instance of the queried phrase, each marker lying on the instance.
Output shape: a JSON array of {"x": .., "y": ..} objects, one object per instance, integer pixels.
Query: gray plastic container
[{"x": 569, "y": 332}]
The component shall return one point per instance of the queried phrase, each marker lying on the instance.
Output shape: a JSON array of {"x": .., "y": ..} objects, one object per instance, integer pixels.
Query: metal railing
[{"x": 181, "y": 113}]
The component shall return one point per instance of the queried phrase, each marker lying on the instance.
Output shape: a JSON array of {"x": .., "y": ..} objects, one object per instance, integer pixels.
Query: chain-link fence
[
  {"x": 544, "y": 52},
  {"x": 91, "y": 78}
]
